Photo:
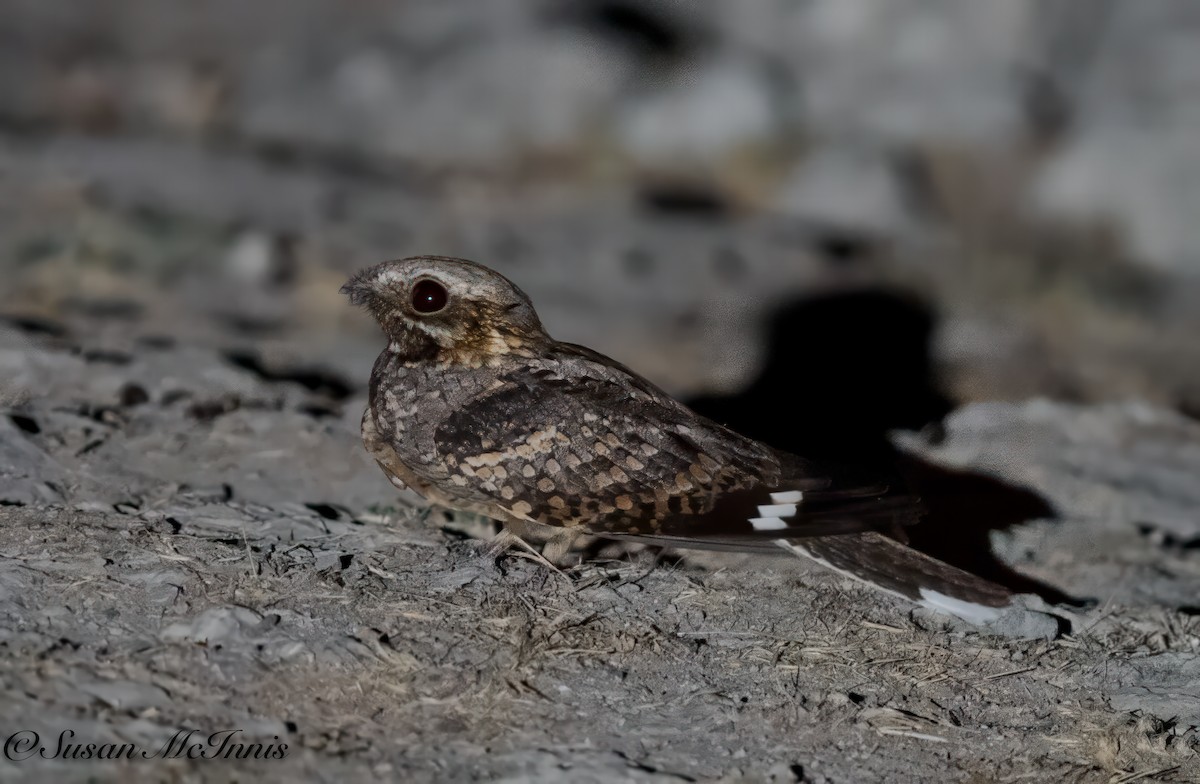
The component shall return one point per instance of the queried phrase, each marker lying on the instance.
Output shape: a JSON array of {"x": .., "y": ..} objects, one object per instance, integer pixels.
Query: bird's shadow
[{"x": 841, "y": 371}]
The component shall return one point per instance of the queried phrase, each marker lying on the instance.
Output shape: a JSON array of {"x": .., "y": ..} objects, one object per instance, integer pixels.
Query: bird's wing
[{"x": 581, "y": 442}]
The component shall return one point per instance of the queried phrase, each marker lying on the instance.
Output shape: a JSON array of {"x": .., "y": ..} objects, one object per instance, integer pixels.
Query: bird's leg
[
  {"x": 506, "y": 539},
  {"x": 501, "y": 543},
  {"x": 557, "y": 547}
]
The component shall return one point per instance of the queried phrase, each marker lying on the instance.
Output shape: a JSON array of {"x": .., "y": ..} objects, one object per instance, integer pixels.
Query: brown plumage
[{"x": 476, "y": 408}]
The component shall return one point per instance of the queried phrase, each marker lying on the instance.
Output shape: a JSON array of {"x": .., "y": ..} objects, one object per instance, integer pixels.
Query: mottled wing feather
[
  {"x": 588, "y": 451},
  {"x": 602, "y": 449}
]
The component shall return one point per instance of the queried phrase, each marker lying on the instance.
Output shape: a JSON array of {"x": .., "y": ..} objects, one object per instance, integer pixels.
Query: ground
[{"x": 190, "y": 543}]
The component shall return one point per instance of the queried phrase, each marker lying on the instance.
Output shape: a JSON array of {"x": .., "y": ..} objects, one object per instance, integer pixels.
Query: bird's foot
[{"x": 506, "y": 540}]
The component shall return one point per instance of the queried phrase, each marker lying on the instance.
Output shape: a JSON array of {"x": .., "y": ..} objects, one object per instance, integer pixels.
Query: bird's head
[{"x": 437, "y": 308}]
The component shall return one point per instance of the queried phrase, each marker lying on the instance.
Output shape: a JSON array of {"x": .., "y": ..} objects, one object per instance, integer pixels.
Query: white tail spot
[
  {"x": 767, "y": 523},
  {"x": 969, "y": 611},
  {"x": 788, "y": 497}
]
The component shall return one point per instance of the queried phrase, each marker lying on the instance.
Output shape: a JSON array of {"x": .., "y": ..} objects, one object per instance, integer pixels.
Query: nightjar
[{"x": 476, "y": 408}]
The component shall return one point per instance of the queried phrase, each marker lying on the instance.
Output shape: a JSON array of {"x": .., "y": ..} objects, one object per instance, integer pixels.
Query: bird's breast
[{"x": 409, "y": 402}]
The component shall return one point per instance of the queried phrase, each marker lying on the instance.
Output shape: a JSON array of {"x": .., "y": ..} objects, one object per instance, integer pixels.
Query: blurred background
[{"x": 917, "y": 202}]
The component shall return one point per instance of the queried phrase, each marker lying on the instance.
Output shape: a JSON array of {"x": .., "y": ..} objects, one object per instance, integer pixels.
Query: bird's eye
[{"x": 429, "y": 296}]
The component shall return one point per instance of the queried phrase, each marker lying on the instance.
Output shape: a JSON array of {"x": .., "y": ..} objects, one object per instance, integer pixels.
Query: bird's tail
[{"x": 895, "y": 568}]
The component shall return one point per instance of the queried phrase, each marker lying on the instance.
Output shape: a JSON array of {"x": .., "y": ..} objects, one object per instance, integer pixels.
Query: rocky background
[{"x": 968, "y": 225}]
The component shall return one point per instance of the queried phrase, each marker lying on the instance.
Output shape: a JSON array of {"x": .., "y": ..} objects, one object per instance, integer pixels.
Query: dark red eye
[{"x": 429, "y": 296}]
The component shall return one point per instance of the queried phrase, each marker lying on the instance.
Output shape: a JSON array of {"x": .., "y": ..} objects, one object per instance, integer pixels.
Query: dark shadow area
[
  {"x": 646, "y": 30},
  {"x": 841, "y": 371},
  {"x": 843, "y": 248},
  {"x": 315, "y": 379},
  {"x": 32, "y": 325},
  {"x": 680, "y": 200},
  {"x": 961, "y": 509},
  {"x": 1168, "y": 540},
  {"x": 1189, "y": 407},
  {"x": 25, "y": 424}
]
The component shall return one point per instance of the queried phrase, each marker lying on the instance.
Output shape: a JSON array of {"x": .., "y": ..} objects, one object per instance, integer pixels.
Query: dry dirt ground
[{"x": 194, "y": 539}]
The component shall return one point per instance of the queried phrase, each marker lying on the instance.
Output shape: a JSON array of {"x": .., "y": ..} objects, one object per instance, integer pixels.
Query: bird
[{"x": 475, "y": 407}]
